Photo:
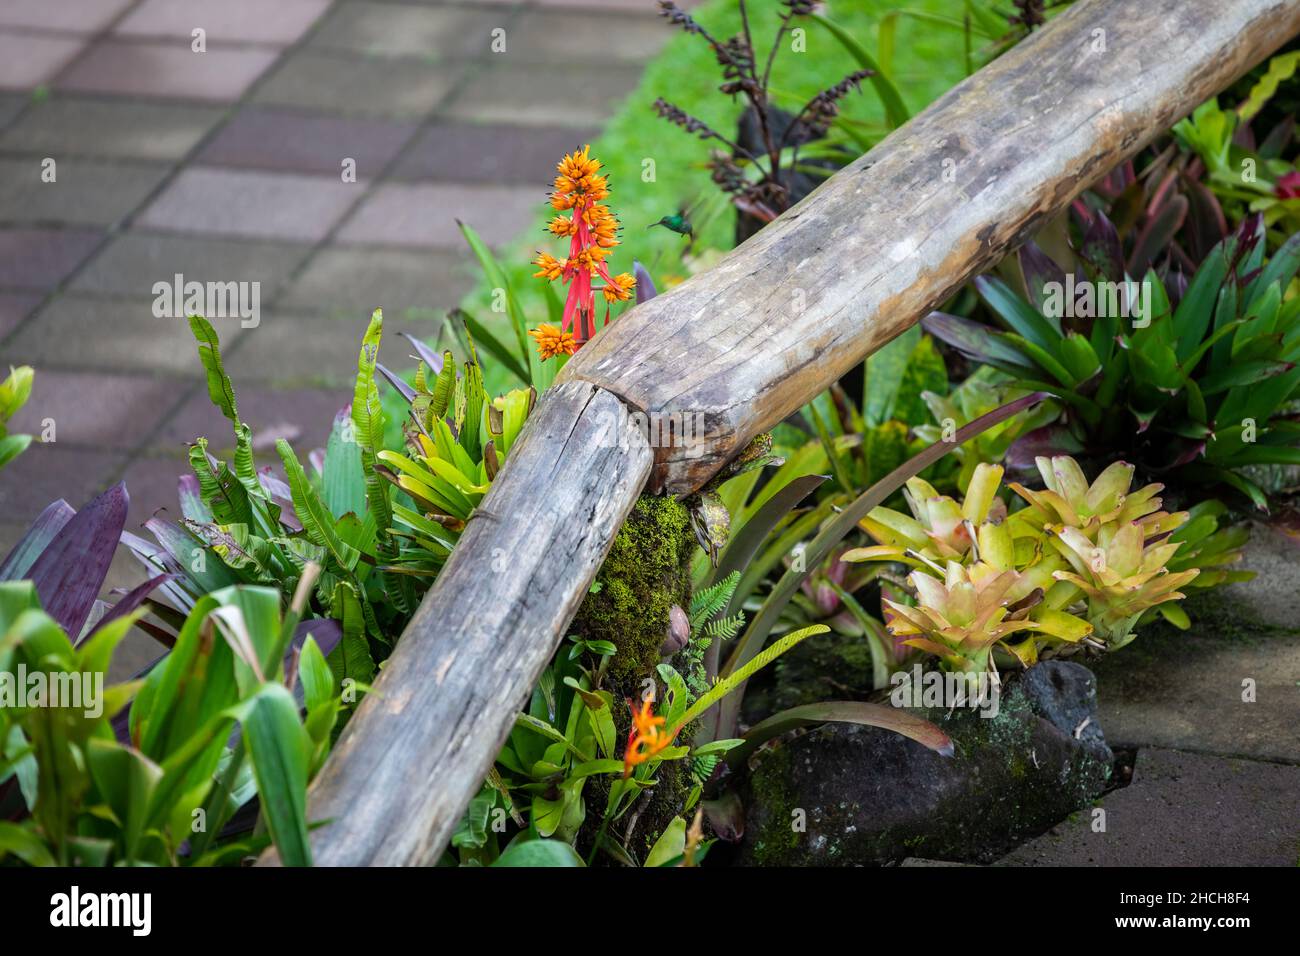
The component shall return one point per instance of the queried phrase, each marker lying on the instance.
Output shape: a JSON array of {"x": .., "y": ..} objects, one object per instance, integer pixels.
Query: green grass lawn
[{"x": 919, "y": 44}]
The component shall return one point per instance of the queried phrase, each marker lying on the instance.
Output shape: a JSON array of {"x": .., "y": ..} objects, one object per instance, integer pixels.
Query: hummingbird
[{"x": 678, "y": 223}]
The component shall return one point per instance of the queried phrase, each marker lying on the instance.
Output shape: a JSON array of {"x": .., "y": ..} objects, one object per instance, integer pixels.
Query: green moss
[{"x": 646, "y": 573}]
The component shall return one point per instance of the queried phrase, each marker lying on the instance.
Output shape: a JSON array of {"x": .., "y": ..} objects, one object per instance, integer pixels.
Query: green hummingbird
[{"x": 678, "y": 223}]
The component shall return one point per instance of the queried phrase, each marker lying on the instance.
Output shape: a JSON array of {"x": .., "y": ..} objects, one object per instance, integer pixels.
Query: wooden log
[
  {"x": 419, "y": 746},
  {"x": 887, "y": 239},
  {"x": 744, "y": 345}
]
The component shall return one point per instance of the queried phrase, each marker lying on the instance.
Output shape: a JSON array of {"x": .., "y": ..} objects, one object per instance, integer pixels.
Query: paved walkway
[{"x": 226, "y": 166}]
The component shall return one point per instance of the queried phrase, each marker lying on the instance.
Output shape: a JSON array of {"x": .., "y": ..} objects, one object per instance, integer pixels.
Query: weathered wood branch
[
  {"x": 895, "y": 233},
  {"x": 744, "y": 345}
]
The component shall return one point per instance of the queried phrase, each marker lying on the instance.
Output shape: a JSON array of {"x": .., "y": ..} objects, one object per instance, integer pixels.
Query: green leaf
[
  {"x": 222, "y": 394},
  {"x": 670, "y": 845},
  {"x": 317, "y": 521},
  {"x": 280, "y": 754},
  {"x": 1022, "y": 318},
  {"x": 896, "y": 112},
  {"x": 494, "y": 346},
  {"x": 546, "y": 853},
  {"x": 343, "y": 482},
  {"x": 18, "y": 840},
  {"x": 898, "y": 720}
]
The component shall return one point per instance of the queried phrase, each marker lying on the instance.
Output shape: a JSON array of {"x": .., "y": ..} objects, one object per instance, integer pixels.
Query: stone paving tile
[
  {"x": 28, "y": 60},
  {"x": 246, "y": 203},
  {"x": 226, "y": 21},
  {"x": 425, "y": 214},
  {"x": 543, "y": 96},
  {"x": 45, "y": 473},
  {"x": 151, "y": 483},
  {"x": 1185, "y": 691},
  {"x": 391, "y": 30},
  {"x": 470, "y": 153},
  {"x": 14, "y": 307},
  {"x": 319, "y": 81},
  {"x": 85, "y": 192},
  {"x": 299, "y": 350},
  {"x": 165, "y": 70},
  {"x": 350, "y": 282},
  {"x": 303, "y": 417},
  {"x": 42, "y": 258},
  {"x": 120, "y": 129},
  {"x": 88, "y": 332},
  {"x": 131, "y": 263},
  {"x": 91, "y": 408},
  {"x": 72, "y": 16},
  {"x": 282, "y": 140},
  {"x": 555, "y": 36},
  {"x": 11, "y": 104},
  {"x": 1183, "y": 810}
]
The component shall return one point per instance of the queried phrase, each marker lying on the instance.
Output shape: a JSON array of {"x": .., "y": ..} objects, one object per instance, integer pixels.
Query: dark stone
[
  {"x": 873, "y": 797},
  {"x": 1065, "y": 693}
]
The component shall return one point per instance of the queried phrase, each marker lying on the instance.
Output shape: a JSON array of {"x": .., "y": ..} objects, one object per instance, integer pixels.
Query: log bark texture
[
  {"x": 744, "y": 345},
  {"x": 892, "y": 235}
]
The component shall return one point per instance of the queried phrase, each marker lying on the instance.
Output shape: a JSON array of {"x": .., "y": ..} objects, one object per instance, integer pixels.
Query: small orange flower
[
  {"x": 549, "y": 267},
  {"x": 619, "y": 288},
  {"x": 562, "y": 226},
  {"x": 552, "y": 342},
  {"x": 646, "y": 739}
]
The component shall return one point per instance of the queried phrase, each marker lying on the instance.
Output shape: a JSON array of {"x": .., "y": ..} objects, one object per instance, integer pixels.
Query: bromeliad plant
[
  {"x": 1204, "y": 378},
  {"x": 242, "y": 525},
  {"x": 1080, "y": 565},
  {"x": 213, "y": 725},
  {"x": 1250, "y": 175},
  {"x": 456, "y": 442}
]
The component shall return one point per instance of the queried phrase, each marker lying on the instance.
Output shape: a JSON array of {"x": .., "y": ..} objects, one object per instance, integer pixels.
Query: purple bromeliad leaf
[
  {"x": 130, "y": 601},
  {"x": 71, "y": 570},
  {"x": 29, "y": 547}
]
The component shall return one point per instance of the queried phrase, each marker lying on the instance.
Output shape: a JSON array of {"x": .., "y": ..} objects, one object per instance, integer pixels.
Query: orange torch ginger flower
[{"x": 592, "y": 231}]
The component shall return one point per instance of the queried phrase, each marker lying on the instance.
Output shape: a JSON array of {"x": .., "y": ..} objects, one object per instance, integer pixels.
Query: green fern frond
[
  {"x": 711, "y": 600},
  {"x": 725, "y": 628},
  {"x": 764, "y": 657}
]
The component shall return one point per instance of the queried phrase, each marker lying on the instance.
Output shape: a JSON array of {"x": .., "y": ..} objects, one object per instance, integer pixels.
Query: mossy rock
[
  {"x": 646, "y": 573},
  {"x": 847, "y": 795}
]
